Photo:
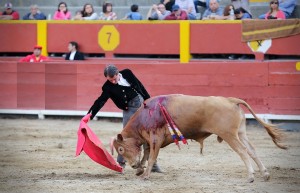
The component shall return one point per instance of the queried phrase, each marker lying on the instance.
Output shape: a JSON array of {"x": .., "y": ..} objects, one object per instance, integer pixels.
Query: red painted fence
[
  {"x": 269, "y": 87},
  {"x": 146, "y": 37}
]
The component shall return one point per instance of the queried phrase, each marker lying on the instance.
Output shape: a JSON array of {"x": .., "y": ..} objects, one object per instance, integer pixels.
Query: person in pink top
[
  {"x": 62, "y": 12},
  {"x": 275, "y": 12},
  {"x": 36, "y": 56}
]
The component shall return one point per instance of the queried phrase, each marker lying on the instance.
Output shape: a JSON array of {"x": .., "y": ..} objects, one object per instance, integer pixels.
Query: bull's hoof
[
  {"x": 250, "y": 180},
  {"x": 144, "y": 177},
  {"x": 266, "y": 176},
  {"x": 139, "y": 171}
]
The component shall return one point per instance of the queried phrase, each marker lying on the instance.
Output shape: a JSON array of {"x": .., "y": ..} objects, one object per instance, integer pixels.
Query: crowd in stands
[{"x": 164, "y": 10}]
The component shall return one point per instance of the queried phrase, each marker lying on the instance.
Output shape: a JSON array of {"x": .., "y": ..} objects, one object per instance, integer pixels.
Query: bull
[{"x": 197, "y": 118}]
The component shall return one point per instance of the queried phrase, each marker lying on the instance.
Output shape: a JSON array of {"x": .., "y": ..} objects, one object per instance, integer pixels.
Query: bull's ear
[{"x": 120, "y": 137}]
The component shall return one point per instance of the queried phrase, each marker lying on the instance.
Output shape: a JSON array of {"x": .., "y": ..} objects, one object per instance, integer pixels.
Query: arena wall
[{"x": 271, "y": 87}]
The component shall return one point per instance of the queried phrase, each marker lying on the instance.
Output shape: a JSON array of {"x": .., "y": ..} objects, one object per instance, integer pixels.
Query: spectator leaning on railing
[
  {"x": 287, "y": 6},
  {"x": 34, "y": 14},
  {"x": 9, "y": 13},
  {"x": 177, "y": 14},
  {"x": 213, "y": 11},
  {"x": 158, "y": 12},
  {"x": 62, "y": 12},
  {"x": 87, "y": 13},
  {"x": 134, "y": 14},
  {"x": 107, "y": 12},
  {"x": 275, "y": 12}
]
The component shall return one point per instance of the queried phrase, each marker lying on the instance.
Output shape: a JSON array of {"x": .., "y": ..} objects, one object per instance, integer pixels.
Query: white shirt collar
[{"x": 123, "y": 81}]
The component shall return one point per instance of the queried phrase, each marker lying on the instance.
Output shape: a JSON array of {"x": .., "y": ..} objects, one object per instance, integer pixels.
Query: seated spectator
[
  {"x": 9, "y": 13},
  {"x": 177, "y": 14},
  {"x": 87, "y": 13},
  {"x": 34, "y": 14},
  {"x": 275, "y": 12},
  {"x": 78, "y": 14},
  {"x": 62, "y": 12},
  {"x": 168, "y": 4},
  {"x": 202, "y": 3},
  {"x": 287, "y": 6},
  {"x": 242, "y": 4},
  {"x": 134, "y": 14},
  {"x": 188, "y": 6},
  {"x": 74, "y": 54},
  {"x": 214, "y": 11},
  {"x": 227, "y": 10},
  {"x": 36, "y": 56},
  {"x": 107, "y": 12},
  {"x": 158, "y": 12},
  {"x": 241, "y": 13}
]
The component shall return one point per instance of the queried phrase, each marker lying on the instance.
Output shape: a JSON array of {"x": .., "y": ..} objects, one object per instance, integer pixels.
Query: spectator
[
  {"x": 241, "y": 13},
  {"x": 9, "y": 13},
  {"x": 177, "y": 14},
  {"x": 134, "y": 14},
  {"x": 227, "y": 10},
  {"x": 275, "y": 12},
  {"x": 168, "y": 4},
  {"x": 287, "y": 6},
  {"x": 128, "y": 94},
  {"x": 107, "y": 12},
  {"x": 214, "y": 11},
  {"x": 202, "y": 3},
  {"x": 62, "y": 12},
  {"x": 36, "y": 56},
  {"x": 87, "y": 13},
  {"x": 188, "y": 6},
  {"x": 78, "y": 14},
  {"x": 158, "y": 12},
  {"x": 35, "y": 14},
  {"x": 242, "y": 4},
  {"x": 74, "y": 54}
]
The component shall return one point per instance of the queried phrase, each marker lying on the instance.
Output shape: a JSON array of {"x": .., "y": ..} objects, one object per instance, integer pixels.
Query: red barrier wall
[
  {"x": 18, "y": 37},
  {"x": 148, "y": 37},
  {"x": 269, "y": 87}
]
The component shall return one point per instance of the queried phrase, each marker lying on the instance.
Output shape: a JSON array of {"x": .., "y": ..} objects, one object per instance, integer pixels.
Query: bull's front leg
[
  {"x": 155, "y": 144},
  {"x": 140, "y": 170}
]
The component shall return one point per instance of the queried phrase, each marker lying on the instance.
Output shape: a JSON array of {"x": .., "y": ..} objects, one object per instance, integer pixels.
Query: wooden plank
[
  {"x": 17, "y": 37},
  {"x": 31, "y": 86},
  {"x": 283, "y": 73},
  {"x": 61, "y": 86},
  {"x": 86, "y": 35},
  {"x": 148, "y": 38}
]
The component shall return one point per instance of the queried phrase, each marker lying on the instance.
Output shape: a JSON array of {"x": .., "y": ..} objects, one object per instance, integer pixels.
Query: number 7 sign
[{"x": 108, "y": 38}]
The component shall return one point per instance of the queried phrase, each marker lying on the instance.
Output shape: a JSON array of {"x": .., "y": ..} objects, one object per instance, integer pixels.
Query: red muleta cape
[{"x": 93, "y": 147}]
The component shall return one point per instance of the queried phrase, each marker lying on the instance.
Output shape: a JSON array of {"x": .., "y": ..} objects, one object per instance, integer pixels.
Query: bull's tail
[{"x": 276, "y": 134}]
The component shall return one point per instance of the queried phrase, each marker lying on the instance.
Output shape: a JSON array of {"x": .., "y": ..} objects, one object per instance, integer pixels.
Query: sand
[{"x": 39, "y": 156}]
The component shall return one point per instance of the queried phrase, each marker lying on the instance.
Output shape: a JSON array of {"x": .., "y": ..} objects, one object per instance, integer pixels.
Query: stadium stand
[{"x": 258, "y": 7}]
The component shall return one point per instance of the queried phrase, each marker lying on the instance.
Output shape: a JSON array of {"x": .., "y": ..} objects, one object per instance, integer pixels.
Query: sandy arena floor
[{"x": 32, "y": 161}]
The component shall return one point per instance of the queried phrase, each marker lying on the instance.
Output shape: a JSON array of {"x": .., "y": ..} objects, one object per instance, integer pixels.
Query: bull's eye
[{"x": 121, "y": 150}]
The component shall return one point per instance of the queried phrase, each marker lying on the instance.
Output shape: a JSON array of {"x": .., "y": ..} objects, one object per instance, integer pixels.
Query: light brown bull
[{"x": 197, "y": 118}]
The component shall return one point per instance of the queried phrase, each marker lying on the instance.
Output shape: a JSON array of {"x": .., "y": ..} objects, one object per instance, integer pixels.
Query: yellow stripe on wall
[
  {"x": 184, "y": 41},
  {"x": 42, "y": 35}
]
